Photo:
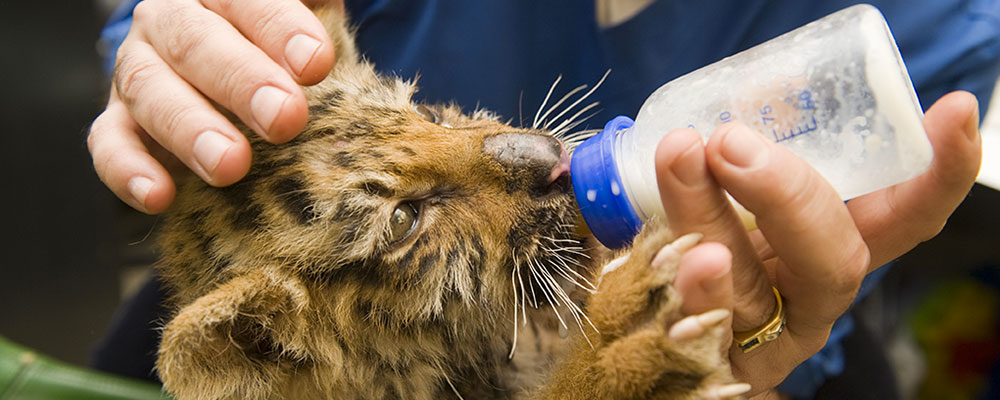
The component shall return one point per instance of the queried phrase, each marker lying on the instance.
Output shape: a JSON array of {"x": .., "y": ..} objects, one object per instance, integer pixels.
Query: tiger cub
[{"x": 404, "y": 250}]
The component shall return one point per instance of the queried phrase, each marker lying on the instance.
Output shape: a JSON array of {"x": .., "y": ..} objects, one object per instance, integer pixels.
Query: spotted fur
[{"x": 289, "y": 284}]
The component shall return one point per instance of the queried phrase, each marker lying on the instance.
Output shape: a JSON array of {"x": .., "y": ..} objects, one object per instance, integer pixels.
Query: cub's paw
[
  {"x": 646, "y": 347},
  {"x": 635, "y": 289}
]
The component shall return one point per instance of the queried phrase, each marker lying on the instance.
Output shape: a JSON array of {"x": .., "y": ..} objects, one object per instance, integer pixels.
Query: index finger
[
  {"x": 821, "y": 257},
  {"x": 694, "y": 202},
  {"x": 896, "y": 219},
  {"x": 286, "y": 30}
]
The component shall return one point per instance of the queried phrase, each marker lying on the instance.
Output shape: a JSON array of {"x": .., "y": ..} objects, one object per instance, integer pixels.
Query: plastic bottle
[{"x": 835, "y": 92}]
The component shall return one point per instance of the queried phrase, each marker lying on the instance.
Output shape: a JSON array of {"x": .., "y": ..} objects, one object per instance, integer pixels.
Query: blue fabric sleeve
[
  {"x": 949, "y": 45},
  {"x": 114, "y": 33}
]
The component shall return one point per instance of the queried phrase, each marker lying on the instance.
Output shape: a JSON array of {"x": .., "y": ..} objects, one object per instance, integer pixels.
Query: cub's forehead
[
  {"x": 370, "y": 130},
  {"x": 380, "y": 100},
  {"x": 364, "y": 88}
]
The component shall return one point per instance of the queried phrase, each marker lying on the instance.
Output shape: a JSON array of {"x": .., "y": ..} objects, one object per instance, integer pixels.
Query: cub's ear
[{"x": 244, "y": 339}]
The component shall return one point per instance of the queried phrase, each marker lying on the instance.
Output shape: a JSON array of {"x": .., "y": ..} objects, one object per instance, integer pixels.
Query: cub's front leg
[{"x": 634, "y": 355}]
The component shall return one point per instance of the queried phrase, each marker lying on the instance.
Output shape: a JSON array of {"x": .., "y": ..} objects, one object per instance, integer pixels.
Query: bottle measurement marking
[
  {"x": 795, "y": 132},
  {"x": 802, "y": 101}
]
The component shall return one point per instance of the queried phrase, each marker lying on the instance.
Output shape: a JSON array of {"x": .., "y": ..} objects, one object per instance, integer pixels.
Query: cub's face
[
  {"x": 423, "y": 201},
  {"x": 389, "y": 239},
  {"x": 411, "y": 210}
]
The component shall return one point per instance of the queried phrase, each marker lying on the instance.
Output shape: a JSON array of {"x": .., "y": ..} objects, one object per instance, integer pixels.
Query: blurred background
[
  {"x": 58, "y": 285},
  {"x": 71, "y": 252}
]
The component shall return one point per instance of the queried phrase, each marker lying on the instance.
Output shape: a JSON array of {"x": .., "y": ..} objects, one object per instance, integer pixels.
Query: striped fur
[{"x": 287, "y": 285}]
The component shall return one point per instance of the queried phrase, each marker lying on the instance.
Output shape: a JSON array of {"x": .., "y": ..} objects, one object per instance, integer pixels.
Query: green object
[{"x": 26, "y": 375}]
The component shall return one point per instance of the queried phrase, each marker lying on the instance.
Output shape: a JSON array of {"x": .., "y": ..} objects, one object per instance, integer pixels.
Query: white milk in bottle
[{"x": 835, "y": 92}]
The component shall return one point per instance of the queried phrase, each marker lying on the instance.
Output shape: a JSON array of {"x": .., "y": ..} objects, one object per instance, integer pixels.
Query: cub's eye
[
  {"x": 404, "y": 219},
  {"x": 426, "y": 113}
]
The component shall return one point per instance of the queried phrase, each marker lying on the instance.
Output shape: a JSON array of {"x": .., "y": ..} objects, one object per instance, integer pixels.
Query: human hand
[
  {"x": 811, "y": 246},
  {"x": 180, "y": 60}
]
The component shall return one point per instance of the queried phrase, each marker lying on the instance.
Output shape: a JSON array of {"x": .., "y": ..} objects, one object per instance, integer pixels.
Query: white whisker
[
  {"x": 524, "y": 294},
  {"x": 534, "y": 124},
  {"x": 561, "y": 100},
  {"x": 548, "y": 291},
  {"x": 584, "y": 133},
  {"x": 564, "y": 135},
  {"x": 575, "y": 103},
  {"x": 448, "y": 380},
  {"x": 513, "y": 286},
  {"x": 567, "y": 123},
  {"x": 520, "y": 103},
  {"x": 576, "y": 278},
  {"x": 573, "y": 307},
  {"x": 554, "y": 240}
]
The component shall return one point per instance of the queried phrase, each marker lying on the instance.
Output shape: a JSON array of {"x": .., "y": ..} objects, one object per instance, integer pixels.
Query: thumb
[{"x": 704, "y": 278}]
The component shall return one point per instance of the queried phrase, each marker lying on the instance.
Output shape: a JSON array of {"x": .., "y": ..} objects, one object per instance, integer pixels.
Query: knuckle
[
  {"x": 100, "y": 162},
  {"x": 103, "y": 164},
  {"x": 185, "y": 33},
  {"x": 103, "y": 151},
  {"x": 225, "y": 7},
  {"x": 95, "y": 131},
  {"x": 144, "y": 12},
  {"x": 714, "y": 216},
  {"x": 236, "y": 81},
  {"x": 923, "y": 224},
  {"x": 856, "y": 267},
  {"x": 931, "y": 230},
  {"x": 843, "y": 282},
  {"x": 809, "y": 348},
  {"x": 269, "y": 21},
  {"x": 172, "y": 123},
  {"x": 132, "y": 75}
]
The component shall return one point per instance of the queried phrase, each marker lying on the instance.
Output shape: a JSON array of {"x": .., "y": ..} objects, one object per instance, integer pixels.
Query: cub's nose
[{"x": 534, "y": 163}]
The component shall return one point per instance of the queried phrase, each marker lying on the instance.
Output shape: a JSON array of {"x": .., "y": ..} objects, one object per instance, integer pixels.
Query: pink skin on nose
[{"x": 562, "y": 167}]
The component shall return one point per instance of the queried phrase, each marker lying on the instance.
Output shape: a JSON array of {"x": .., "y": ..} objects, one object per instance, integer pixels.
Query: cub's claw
[
  {"x": 614, "y": 264},
  {"x": 663, "y": 266},
  {"x": 697, "y": 325},
  {"x": 732, "y": 390},
  {"x": 673, "y": 251}
]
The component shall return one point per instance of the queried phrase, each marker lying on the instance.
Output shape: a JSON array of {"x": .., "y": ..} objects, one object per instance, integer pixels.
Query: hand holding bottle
[{"x": 811, "y": 245}]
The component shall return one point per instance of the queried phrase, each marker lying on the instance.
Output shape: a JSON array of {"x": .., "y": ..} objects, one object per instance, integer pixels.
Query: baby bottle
[{"x": 835, "y": 92}]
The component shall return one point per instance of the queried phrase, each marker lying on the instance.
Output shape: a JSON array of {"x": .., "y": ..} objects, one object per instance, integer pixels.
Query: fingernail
[
  {"x": 689, "y": 167},
  {"x": 744, "y": 148},
  {"x": 972, "y": 128},
  {"x": 266, "y": 104},
  {"x": 299, "y": 50},
  {"x": 209, "y": 148},
  {"x": 139, "y": 187}
]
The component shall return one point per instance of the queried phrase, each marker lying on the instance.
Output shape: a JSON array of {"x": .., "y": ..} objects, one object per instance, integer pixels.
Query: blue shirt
[
  {"x": 504, "y": 55},
  {"x": 489, "y": 53}
]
